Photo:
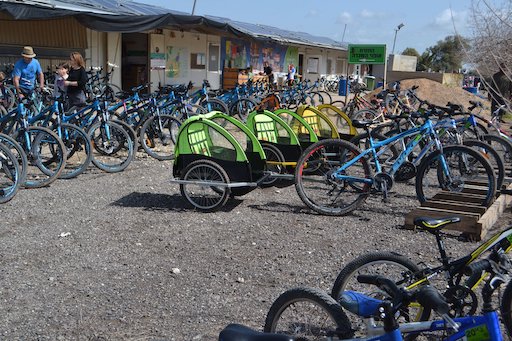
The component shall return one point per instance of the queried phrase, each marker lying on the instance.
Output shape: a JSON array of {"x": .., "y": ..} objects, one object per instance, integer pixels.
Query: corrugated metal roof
[
  {"x": 127, "y": 7},
  {"x": 280, "y": 35}
]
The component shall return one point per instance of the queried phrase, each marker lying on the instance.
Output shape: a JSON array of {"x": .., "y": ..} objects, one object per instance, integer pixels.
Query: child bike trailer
[{"x": 210, "y": 164}]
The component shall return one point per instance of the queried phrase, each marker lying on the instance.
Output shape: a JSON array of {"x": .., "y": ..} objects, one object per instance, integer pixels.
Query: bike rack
[{"x": 476, "y": 220}]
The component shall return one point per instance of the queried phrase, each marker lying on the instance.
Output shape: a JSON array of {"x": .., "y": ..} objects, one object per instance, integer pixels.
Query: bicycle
[
  {"x": 460, "y": 289},
  {"x": 343, "y": 178},
  {"x": 328, "y": 320}
]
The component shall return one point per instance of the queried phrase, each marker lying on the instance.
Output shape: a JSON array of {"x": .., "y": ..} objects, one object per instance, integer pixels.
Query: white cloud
[
  {"x": 312, "y": 13},
  {"x": 344, "y": 18},
  {"x": 367, "y": 14},
  {"x": 447, "y": 17}
]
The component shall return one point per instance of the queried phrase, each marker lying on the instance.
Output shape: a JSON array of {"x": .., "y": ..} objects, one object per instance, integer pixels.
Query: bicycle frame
[
  {"x": 469, "y": 326},
  {"x": 419, "y": 132}
]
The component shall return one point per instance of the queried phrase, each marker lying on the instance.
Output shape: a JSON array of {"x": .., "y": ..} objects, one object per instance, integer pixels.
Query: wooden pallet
[{"x": 475, "y": 221}]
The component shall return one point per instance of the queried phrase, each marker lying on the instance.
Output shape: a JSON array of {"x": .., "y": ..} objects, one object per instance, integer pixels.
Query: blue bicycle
[
  {"x": 310, "y": 314},
  {"x": 334, "y": 177}
]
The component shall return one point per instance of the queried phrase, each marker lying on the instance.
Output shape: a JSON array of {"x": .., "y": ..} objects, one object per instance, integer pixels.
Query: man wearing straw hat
[{"x": 25, "y": 72}]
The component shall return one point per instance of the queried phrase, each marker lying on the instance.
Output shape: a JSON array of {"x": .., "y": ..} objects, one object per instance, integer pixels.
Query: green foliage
[
  {"x": 410, "y": 51},
  {"x": 447, "y": 55}
]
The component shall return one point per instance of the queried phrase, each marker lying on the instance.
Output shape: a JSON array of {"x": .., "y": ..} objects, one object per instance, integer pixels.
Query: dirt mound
[{"x": 439, "y": 94}]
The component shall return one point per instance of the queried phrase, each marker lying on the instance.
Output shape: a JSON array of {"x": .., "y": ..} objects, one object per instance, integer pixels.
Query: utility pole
[{"x": 194, "y": 7}]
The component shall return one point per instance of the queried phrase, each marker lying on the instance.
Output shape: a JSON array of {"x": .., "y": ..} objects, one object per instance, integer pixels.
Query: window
[
  {"x": 313, "y": 65},
  {"x": 198, "y": 61}
]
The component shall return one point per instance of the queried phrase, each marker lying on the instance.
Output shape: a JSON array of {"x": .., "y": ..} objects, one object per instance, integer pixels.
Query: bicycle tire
[
  {"x": 492, "y": 156},
  {"x": 313, "y": 188},
  {"x": 112, "y": 153},
  {"x": 205, "y": 198},
  {"x": 214, "y": 104},
  {"x": 466, "y": 166},
  {"x": 10, "y": 174},
  {"x": 78, "y": 150},
  {"x": 502, "y": 145},
  {"x": 46, "y": 157},
  {"x": 389, "y": 264},
  {"x": 506, "y": 308},
  {"x": 272, "y": 153},
  {"x": 326, "y": 318},
  {"x": 16, "y": 149},
  {"x": 364, "y": 114},
  {"x": 242, "y": 107},
  {"x": 131, "y": 132},
  {"x": 157, "y": 143}
]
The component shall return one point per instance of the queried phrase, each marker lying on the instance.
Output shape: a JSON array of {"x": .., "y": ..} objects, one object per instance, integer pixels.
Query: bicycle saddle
[
  {"x": 361, "y": 123},
  {"x": 434, "y": 225},
  {"x": 237, "y": 332}
]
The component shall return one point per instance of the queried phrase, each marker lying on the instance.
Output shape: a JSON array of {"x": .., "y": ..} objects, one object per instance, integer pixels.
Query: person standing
[
  {"x": 26, "y": 72},
  {"x": 76, "y": 80},
  {"x": 291, "y": 74},
  {"x": 267, "y": 70},
  {"x": 60, "y": 87},
  {"x": 500, "y": 89}
]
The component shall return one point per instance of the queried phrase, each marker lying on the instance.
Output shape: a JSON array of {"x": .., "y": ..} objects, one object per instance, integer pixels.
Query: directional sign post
[{"x": 366, "y": 54}]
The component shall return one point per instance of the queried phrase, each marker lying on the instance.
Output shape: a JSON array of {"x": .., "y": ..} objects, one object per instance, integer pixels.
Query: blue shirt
[{"x": 27, "y": 73}]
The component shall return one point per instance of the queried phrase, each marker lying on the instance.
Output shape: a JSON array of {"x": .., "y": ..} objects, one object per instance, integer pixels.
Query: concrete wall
[{"x": 450, "y": 79}]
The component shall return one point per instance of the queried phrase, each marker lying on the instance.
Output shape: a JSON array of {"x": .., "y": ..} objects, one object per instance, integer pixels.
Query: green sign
[{"x": 366, "y": 54}]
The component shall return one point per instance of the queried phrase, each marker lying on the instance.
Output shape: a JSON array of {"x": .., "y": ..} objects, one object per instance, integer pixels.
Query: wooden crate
[
  {"x": 229, "y": 78},
  {"x": 476, "y": 220}
]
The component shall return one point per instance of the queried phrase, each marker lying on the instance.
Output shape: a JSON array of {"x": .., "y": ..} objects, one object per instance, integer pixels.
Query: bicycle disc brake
[
  {"x": 405, "y": 172},
  {"x": 462, "y": 300}
]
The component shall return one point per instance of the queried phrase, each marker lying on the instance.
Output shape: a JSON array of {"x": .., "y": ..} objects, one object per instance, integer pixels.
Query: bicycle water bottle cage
[
  {"x": 434, "y": 225},
  {"x": 360, "y": 304}
]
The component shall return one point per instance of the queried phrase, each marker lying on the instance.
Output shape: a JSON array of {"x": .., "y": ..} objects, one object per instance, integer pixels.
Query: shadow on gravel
[
  {"x": 153, "y": 201},
  {"x": 280, "y": 207},
  {"x": 158, "y": 201}
]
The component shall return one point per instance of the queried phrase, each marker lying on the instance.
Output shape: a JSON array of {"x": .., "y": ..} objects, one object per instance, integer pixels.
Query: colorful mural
[
  {"x": 176, "y": 62},
  {"x": 241, "y": 54}
]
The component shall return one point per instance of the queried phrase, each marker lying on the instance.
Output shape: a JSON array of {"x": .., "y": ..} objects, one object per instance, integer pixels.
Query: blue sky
[{"x": 425, "y": 22}]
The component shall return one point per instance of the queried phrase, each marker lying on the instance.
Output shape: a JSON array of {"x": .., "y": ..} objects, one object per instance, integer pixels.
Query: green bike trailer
[
  {"x": 323, "y": 127},
  {"x": 300, "y": 127},
  {"x": 211, "y": 165},
  {"x": 271, "y": 130},
  {"x": 340, "y": 119}
]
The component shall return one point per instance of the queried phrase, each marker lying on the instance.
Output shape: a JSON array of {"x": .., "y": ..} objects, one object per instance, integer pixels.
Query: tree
[
  {"x": 448, "y": 54},
  {"x": 410, "y": 51}
]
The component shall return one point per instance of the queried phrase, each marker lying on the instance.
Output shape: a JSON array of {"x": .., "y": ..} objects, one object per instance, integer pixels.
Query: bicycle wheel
[
  {"x": 112, "y": 147},
  {"x": 459, "y": 169},
  {"x": 204, "y": 197},
  {"x": 78, "y": 150},
  {"x": 242, "y": 108},
  {"x": 307, "y": 314},
  {"x": 273, "y": 159},
  {"x": 320, "y": 189},
  {"x": 317, "y": 98},
  {"x": 214, "y": 104},
  {"x": 16, "y": 149},
  {"x": 492, "y": 156},
  {"x": 506, "y": 308},
  {"x": 502, "y": 145},
  {"x": 364, "y": 115},
  {"x": 10, "y": 174},
  {"x": 158, "y": 136},
  {"x": 388, "y": 264},
  {"x": 131, "y": 132},
  {"x": 46, "y": 156}
]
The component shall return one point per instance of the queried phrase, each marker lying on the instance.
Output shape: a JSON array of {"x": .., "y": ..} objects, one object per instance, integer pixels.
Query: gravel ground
[{"x": 122, "y": 256}]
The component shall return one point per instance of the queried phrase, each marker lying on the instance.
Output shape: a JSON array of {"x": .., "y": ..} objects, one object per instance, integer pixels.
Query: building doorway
[{"x": 134, "y": 59}]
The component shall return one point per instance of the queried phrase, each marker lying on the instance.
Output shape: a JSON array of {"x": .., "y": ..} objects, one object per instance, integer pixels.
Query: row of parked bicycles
[{"x": 51, "y": 141}]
